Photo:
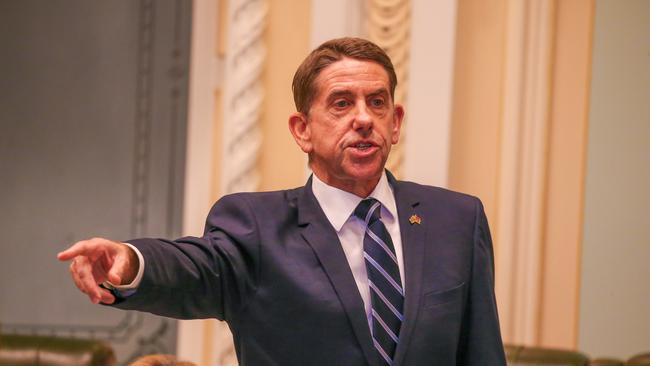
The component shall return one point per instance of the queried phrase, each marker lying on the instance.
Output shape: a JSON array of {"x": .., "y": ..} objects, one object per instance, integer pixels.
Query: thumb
[
  {"x": 114, "y": 278},
  {"x": 125, "y": 267}
]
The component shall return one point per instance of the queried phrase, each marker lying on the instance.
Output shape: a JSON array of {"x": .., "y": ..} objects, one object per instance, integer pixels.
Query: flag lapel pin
[{"x": 415, "y": 219}]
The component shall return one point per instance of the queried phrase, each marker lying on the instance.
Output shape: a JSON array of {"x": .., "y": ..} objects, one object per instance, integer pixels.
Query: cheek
[{"x": 324, "y": 144}]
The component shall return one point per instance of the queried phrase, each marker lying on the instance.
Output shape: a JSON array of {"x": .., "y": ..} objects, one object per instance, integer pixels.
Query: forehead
[{"x": 351, "y": 74}]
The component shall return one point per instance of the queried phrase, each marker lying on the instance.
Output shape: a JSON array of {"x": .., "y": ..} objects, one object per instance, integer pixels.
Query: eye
[
  {"x": 341, "y": 103},
  {"x": 377, "y": 102}
]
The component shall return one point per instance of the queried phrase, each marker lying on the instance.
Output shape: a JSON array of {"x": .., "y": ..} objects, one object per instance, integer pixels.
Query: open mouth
[{"x": 362, "y": 146}]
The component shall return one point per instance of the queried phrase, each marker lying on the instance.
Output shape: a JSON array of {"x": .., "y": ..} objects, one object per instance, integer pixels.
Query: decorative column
[
  {"x": 389, "y": 26},
  {"x": 242, "y": 55},
  {"x": 233, "y": 33},
  {"x": 523, "y": 167},
  {"x": 243, "y": 94}
]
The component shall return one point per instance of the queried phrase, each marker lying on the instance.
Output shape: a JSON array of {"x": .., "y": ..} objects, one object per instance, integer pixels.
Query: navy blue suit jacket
[{"x": 271, "y": 265}]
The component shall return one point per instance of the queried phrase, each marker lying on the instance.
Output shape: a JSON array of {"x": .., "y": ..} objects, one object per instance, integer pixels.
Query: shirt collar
[{"x": 338, "y": 205}]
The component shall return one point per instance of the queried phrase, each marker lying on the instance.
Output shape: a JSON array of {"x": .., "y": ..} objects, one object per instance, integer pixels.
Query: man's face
[{"x": 351, "y": 125}]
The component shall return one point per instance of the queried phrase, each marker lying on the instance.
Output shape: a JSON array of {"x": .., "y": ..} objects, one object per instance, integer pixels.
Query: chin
[{"x": 365, "y": 173}]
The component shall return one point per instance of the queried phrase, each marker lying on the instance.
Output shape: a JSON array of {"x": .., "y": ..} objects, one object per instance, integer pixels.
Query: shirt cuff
[{"x": 129, "y": 289}]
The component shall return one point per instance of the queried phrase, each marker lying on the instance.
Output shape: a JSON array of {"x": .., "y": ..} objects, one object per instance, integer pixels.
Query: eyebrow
[
  {"x": 379, "y": 91},
  {"x": 345, "y": 93},
  {"x": 337, "y": 94}
]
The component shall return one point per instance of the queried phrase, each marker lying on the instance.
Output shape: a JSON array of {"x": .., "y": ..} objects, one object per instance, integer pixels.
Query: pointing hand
[{"x": 97, "y": 260}]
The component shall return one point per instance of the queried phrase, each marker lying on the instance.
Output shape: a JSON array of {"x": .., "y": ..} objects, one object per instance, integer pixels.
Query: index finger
[{"x": 79, "y": 248}]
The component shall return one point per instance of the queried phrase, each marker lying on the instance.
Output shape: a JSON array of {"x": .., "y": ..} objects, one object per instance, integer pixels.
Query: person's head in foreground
[{"x": 160, "y": 360}]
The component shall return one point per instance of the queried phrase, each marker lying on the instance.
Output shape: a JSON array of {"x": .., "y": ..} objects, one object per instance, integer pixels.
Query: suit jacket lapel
[
  {"x": 322, "y": 237},
  {"x": 413, "y": 242}
]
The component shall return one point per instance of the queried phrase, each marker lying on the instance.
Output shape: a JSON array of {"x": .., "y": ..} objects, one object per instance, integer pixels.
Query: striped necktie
[{"x": 386, "y": 292}]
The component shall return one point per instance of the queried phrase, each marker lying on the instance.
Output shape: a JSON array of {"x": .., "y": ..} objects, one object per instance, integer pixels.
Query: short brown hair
[{"x": 327, "y": 54}]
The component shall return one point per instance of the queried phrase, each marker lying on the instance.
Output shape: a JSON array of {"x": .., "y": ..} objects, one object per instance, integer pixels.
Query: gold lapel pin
[{"x": 415, "y": 219}]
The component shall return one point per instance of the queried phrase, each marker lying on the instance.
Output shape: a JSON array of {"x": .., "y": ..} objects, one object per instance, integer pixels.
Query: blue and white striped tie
[{"x": 386, "y": 291}]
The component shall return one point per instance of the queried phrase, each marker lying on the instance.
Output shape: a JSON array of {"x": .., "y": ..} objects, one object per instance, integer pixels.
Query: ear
[
  {"x": 300, "y": 130},
  {"x": 398, "y": 116}
]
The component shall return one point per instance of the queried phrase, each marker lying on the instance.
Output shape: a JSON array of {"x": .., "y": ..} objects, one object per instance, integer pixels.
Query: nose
[{"x": 362, "y": 119}]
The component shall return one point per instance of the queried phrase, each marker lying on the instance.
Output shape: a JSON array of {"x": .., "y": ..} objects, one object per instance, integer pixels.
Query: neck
[{"x": 360, "y": 188}]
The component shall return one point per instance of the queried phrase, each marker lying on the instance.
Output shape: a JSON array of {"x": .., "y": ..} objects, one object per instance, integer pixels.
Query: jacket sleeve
[
  {"x": 482, "y": 344},
  {"x": 207, "y": 277}
]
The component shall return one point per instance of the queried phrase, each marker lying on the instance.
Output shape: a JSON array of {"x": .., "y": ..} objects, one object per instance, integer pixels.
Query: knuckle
[{"x": 80, "y": 286}]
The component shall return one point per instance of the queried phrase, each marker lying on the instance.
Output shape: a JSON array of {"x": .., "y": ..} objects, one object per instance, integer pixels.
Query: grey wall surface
[
  {"x": 615, "y": 293},
  {"x": 93, "y": 101}
]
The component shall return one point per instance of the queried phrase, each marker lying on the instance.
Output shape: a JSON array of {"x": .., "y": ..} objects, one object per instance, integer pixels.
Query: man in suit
[{"x": 354, "y": 268}]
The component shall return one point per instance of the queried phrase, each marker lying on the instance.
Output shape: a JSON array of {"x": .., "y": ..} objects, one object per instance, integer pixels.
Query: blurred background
[{"x": 129, "y": 118}]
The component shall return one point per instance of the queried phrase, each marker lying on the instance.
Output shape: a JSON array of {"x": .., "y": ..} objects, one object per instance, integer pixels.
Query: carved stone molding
[
  {"x": 243, "y": 95},
  {"x": 389, "y": 26}
]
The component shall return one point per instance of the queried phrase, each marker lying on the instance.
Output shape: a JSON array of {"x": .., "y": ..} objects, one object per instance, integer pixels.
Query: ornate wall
[
  {"x": 491, "y": 120},
  {"x": 93, "y": 141}
]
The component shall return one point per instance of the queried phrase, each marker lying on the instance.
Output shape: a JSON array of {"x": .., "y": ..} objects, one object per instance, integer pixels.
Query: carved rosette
[
  {"x": 389, "y": 26},
  {"x": 243, "y": 95}
]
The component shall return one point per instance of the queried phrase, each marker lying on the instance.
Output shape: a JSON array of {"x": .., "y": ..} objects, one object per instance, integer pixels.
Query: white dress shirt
[{"x": 339, "y": 207}]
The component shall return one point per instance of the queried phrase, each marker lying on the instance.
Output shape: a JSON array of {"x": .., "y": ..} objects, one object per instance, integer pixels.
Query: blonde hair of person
[{"x": 160, "y": 360}]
